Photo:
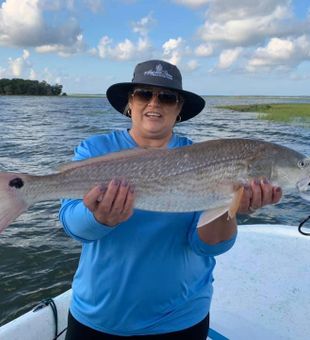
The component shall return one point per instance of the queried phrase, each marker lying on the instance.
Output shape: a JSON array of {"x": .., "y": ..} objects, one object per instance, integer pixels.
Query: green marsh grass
[{"x": 288, "y": 112}]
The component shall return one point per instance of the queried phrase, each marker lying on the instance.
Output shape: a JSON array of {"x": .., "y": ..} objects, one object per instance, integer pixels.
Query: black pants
[{"x": 77, "y": 331}]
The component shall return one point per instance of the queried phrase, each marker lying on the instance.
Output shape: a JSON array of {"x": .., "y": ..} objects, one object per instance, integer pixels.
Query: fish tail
[{"x": 12, "y": 200}]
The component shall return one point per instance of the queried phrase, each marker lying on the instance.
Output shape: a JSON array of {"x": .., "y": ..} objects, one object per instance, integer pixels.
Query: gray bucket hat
[{"x": 161, "y": 74}]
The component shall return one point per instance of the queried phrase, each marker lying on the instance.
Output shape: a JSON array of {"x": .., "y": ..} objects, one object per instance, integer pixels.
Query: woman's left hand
[{"x": 257, "y": 194}]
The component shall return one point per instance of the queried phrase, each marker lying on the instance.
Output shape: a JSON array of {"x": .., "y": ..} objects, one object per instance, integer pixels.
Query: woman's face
[{"x": 154, "y": 110}]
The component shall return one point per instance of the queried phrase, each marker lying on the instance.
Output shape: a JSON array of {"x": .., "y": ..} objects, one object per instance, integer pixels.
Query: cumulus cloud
[
  {"x": 64, "y": 50},
  {"x": 124, "y": 50},
  {"x": 236, "y": 31},
  {"x": 32, "y": 74},
  {"x": 48, "y": 76},
  {"x": 229, "y": 57},
  {"x": 18, "y": 66},
  {"x": 172, "y": 50},
  {"x": 226, "y": 10},
  {"x": 22, "y": 67},
  {"x": 204, "y": 50},
  {"x": 142, "y": 26},
  {"x": 127, "y": 49},
  {"x": 22, "y": 24},
  {"x": 244, "y": 23},
  {"x": 103, "y": 48},
  {"x": 280, "y": 53}
]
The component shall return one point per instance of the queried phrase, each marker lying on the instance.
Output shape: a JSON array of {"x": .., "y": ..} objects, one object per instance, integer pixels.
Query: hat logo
[{"x": 159, "y": 72}]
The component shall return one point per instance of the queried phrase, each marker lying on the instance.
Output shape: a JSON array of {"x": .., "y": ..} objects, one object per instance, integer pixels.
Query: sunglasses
[{"x": 164, "y": 97}]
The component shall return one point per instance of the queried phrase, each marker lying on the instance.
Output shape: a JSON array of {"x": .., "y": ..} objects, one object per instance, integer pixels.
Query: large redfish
[{"x": 207, "y": 176}]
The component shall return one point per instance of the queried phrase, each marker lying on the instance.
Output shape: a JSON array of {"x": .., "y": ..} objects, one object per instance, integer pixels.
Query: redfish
[{"x": 207, "y": 176}]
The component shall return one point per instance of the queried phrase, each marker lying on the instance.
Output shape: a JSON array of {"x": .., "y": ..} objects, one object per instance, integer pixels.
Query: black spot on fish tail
[{"x": 16, "y": 183}]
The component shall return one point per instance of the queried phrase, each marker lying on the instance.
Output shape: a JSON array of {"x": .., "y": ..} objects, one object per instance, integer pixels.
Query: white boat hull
[
  {"x": 262, "y": 291},
  {"x": 262, "y": 285},
  {"x": 40, "y": 324}
]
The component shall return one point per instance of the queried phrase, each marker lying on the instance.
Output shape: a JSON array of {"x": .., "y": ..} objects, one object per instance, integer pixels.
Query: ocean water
[{"x": 37, "y": 134}]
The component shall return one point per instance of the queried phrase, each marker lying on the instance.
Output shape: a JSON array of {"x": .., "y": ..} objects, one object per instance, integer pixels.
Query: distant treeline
[{"x": 18, "y": 86}]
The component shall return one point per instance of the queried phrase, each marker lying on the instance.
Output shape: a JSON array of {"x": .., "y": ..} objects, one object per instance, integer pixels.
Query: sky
[{"x": 222, "y": 47}]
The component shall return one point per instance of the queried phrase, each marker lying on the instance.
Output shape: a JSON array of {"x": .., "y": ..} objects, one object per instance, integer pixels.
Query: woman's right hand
[{"x": 113, "y": 204}]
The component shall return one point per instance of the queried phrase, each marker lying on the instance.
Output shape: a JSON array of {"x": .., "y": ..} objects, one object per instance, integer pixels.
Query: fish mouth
[{"x": 303, "y": 187}]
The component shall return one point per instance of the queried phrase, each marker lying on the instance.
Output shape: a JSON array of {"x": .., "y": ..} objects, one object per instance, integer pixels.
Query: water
[{"x": 37, "y": 259}]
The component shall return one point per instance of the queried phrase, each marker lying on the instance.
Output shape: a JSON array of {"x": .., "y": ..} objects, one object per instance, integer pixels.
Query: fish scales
[
  {"x": 192, "y": 178},
  {"x": 155, "y": 165}
]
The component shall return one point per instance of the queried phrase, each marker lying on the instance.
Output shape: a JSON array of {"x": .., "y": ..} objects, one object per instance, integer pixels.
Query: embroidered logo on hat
[{"x": 159, "y": 72}]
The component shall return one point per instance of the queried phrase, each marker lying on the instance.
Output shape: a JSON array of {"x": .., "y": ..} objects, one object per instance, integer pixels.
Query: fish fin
[
  {"x": 235, "y": 203},
  {"x": 12, "y": 203},
  {"x": 232, "y": 208},
  {"x": 211, "y": 215},
  {"x": 124, "y": 154}
]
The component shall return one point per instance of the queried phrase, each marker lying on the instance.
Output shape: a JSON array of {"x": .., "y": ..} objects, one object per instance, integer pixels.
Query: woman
[{"x": 146, "y": 275}]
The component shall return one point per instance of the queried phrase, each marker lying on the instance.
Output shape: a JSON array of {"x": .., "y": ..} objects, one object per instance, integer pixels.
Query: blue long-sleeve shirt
[{"x": 151, "y": 274}]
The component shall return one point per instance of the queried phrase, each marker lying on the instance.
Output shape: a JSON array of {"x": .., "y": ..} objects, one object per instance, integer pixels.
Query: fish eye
[{"x": 301, "y": 164}]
